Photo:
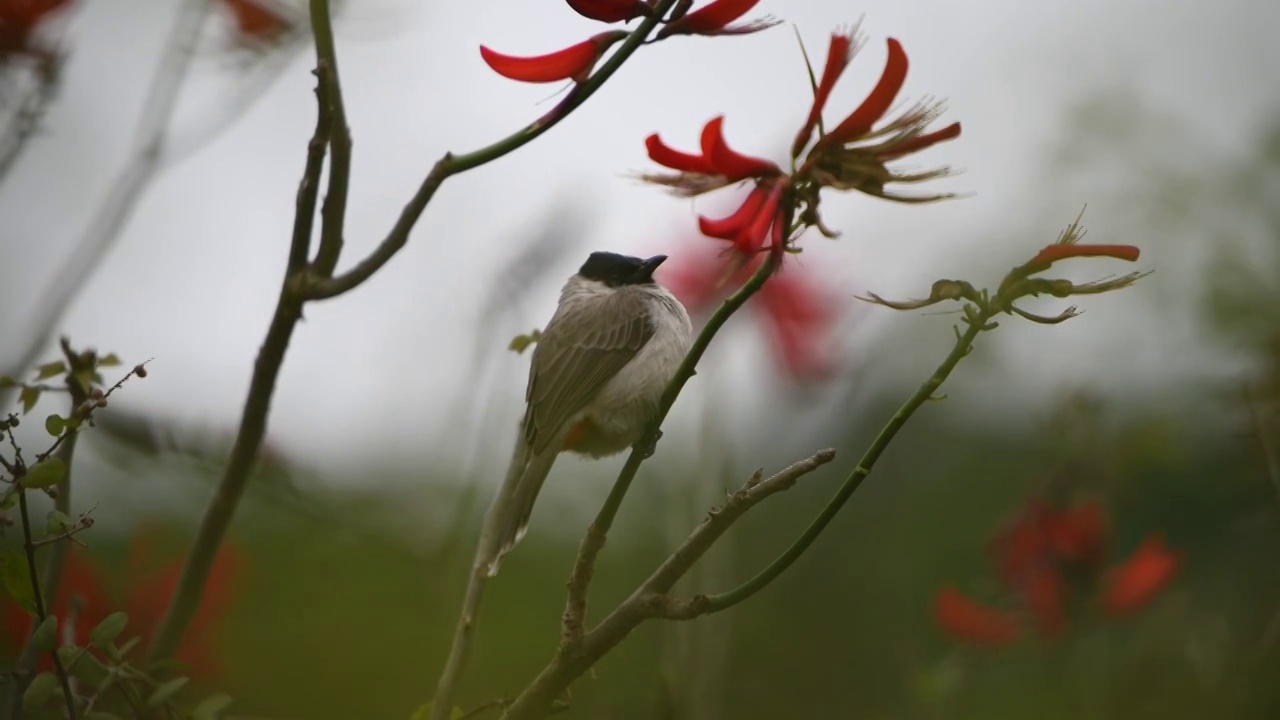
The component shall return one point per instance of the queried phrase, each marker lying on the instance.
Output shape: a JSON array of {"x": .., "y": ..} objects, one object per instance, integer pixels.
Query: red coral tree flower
[
  {"x": 19, "y": 20},
  {"x": 84, "y": 599},
  {"x": 610, "y": 11},
  {"x": 258, "y": 22},
  {"x": 1133, "y": 584},
  {"x": 853, "y": 154},
  {"x": 714, "y": 19},
  {"x": 1034, "y": 552},
  {"x": 967, "y": 620},
  {"x": 572, "y": 63}
]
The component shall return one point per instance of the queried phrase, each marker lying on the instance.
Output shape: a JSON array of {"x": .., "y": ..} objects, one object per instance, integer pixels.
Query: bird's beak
[{"x": 652, "y": 263}]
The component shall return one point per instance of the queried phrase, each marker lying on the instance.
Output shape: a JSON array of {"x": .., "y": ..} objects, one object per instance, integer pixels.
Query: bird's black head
[{"x": 617, "y": 270}]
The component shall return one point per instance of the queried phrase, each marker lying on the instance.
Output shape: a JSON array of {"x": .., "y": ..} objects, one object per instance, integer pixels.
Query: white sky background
[{"x": 195, "y": 275}]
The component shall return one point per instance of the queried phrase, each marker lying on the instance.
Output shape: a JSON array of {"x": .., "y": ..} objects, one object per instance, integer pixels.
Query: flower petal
[
  {"x": 728, "y": 162},
  {"x": 571, "y": 63},
  {"x": 666, "y": 156},
  {"x": 609, "y": 11},
  {"x": 968, "y": 621},
  {"x": 861, "y": 120},
  {"x": 727, "y": 228},
  {"x": 713, "y": 19},
  {"x": 1138, "y": 579},
  {"x": 839, "y": 53}
]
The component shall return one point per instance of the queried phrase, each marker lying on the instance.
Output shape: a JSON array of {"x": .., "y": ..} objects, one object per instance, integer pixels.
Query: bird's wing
[{"x": 571, "y": 362}]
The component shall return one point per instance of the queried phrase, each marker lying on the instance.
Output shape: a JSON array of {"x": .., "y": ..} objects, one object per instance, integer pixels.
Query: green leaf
[
  {"x": 40, "y": 691},
  {"x": 118, "y": 652},
  {"x": 83, "y": 666},
  {"x": 107, "y": 630},
  {"x": 29, "y": 396},
  {"x": 17, "y": 579},
  {"x": 111, "y": 360},
  {"x": 49, "y": 370},
  {"x": 7, "y": 382},
  {"x": 46, "y": 473},
  {"x": 210, "y": 707},
  {"x": 166, "y": 691},
  {"x": 84, "y": 380},
  {"x": 9, "y": 499},
  {"x": 57, "y": 523},
  {"x": 520, "y": 343},
  {"x": 45, "y": 638},
  {"x": 54, "y": 424}
]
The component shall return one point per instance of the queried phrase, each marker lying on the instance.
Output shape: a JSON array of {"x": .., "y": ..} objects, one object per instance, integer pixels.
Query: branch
[
  {"x": 575, "y": 611},
  {"x": 57, "y": 557},
  {"x": 650, "y": 599},
  {"x": 253, "y": 420},
  {"x": 339, "y": 134},
  {"x": 30, "y": 548},
  {"x": 450, "y": 164}
]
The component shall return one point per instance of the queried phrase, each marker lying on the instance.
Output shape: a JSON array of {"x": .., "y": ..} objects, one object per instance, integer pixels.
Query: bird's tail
[{"x": 519, "y": 491}]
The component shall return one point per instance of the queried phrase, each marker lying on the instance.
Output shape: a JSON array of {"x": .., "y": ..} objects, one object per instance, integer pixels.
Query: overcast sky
[{"x": 194, "y": 276}]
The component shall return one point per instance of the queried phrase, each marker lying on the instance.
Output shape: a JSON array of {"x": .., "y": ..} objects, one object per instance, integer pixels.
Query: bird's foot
[{"x": 649, "y": 445}]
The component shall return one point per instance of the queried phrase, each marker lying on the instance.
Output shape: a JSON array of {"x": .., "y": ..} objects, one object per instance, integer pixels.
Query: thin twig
[
  {"x": 334, "y": 211},
  {"x": 58, "y": 668}
]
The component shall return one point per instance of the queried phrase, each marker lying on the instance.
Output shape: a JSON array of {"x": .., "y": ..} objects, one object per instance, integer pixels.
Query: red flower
[
  {"x": 610, "y": 11},
  {"x": 717, "y": 158},
  {"x": 800, "y": 320},
  {"x": 257, "y": 23},
  {"x": 839, "y": 53},
  {"x": 1033, "y": 552},
  {"x": 18, "y": 20},
  {"x": 83, "y": 601},
  {"x": 714, "y": 19},
  {"x": 1078, "y": 534},
  {"x": 572, "y": 63},
  {"x": 748, "y": 228},
  {"x": 966, "y": 620},
  {"x": 1137, "y": 580},
  {"x": 852, "y": 155}
]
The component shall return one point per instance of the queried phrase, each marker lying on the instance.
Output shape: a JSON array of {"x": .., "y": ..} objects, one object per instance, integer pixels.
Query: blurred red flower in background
[
  {"x": 85, "y": 598},
  {"x": 795, "y": 310},
  {"x": 18, "y": 22},
  {"x": 1043, "y": 555},
  {"x": 258, "y": 22}
]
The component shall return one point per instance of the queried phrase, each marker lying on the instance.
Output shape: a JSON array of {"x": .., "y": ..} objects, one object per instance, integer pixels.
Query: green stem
[
  {"x": 41, "y": 613},
  {"x": 964, "y": 343}
]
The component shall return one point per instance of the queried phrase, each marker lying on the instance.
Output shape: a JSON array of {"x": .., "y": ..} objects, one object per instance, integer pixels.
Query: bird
[{"x": 596, "y": 378}]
